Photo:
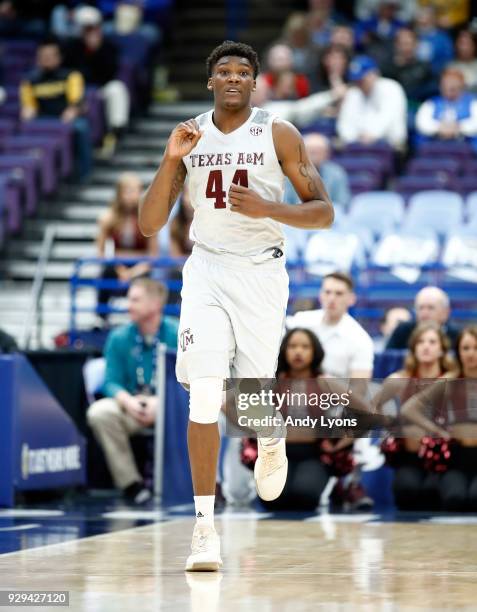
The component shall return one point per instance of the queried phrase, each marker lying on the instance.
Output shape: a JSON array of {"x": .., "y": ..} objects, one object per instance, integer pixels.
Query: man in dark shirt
[
  {"x": 431, "y": 304},
  {"x": 98, "y": 60},
  {"x": 415, "y": 75},
  {"x": 53, "y": 91}
]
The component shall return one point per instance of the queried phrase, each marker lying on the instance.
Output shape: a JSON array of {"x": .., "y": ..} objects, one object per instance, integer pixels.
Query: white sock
[{"x": 204, "y": 509}]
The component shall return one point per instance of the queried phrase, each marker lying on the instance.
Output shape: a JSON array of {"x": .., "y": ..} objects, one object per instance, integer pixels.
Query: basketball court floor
[{"x": 117, "y": 559}]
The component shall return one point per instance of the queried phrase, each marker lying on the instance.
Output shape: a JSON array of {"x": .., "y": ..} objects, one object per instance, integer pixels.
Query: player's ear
[
  {"x": 254, "y": 85},
  {"x": 209, "y": 84}
]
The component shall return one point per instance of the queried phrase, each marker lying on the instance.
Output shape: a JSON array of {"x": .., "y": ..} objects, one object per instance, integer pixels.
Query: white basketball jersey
[{"x": 247, "y": 157}]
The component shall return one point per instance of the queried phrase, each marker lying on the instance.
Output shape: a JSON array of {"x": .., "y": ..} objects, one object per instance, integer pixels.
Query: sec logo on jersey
[{"x": 255, "y": 130}]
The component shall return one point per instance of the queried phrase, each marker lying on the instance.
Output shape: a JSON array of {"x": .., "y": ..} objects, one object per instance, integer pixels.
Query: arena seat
[
  {"x": 434, "y": 166},
  {"x": 381, "y": 211},
  {"x": 46, "y": 149},
  {"x": 450, "y": 149},
  {"x": 441, "y": 211},
  {"x": 408, "y": 185},
  {"x": 28, "y": 169},
  {"x": 471, "y": 206},
  {"x": 61, "y": 131},
  {"x": 403, "y": 248},
  {"x": 333, "y": 250}
]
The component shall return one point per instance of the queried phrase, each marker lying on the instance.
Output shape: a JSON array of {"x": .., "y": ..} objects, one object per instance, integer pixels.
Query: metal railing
[{"x": 34, "y": 320}]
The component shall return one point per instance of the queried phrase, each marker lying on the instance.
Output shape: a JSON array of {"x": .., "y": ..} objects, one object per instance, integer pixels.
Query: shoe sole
[
  {"x": 204, "y": 566},
  {"x": 279, "y": 493}
]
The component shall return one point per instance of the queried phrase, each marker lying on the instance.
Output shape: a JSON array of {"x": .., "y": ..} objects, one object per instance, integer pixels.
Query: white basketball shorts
[{"x": 232, "y": 316}]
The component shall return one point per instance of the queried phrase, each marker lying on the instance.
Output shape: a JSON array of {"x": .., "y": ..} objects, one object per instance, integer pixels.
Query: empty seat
[
  {"x": 461, "y": 249},
  {"x": 379, "y": 150},
  {"x": 362, "y": 182},
  {"x": 333, "y": 250},
  {"x": 441, "y": 211},
  {"x": 45, "y": 149},
  {"x": 471, "y": 205},
  {"x": 26, "y": 169},
  {"x": 467, "y": 184},
  {"x": 407, "y": 249},
  {"x": 450, "y": 149},
  {"x": 377, "y": 208},
  {"x": 409, "y": 185},
  {"x": 362, "y": 165},
  {"x": 449, "y": 168},
  {"x": 60, "y": 130}
]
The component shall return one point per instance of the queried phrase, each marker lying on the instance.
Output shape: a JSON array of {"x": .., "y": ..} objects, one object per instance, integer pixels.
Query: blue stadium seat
[
  {"x": 379, "y": 210},
  {"x": 436, "y": 166},
  {"x": 441, "y": 211},
  {"x": 471, "y": 206},
  {"x": 407, "y": 186}
]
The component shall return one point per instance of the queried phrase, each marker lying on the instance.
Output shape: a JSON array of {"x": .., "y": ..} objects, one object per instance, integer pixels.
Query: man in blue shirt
[{"x": 130, "y": 403}]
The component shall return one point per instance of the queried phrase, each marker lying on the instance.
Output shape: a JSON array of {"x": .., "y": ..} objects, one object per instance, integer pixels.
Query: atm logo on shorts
[{"x": 186, "y": 339}]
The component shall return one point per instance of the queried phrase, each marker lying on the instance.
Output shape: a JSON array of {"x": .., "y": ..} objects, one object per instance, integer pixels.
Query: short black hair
[
  {"x": 232, "y": 48},
  {"x": 50, "y": 40}
]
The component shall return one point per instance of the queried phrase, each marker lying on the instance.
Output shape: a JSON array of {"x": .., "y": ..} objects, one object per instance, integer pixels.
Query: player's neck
[
  {"x": 149, "y": 327},
  {"x": 228, "y": 120}
]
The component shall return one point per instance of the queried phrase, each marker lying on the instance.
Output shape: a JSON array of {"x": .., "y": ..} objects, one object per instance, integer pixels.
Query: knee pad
[{"x": 205, "y": 399}]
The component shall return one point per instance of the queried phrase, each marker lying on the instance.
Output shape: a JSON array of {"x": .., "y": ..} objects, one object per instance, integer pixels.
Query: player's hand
[
  {"x": 247, "y": 202},
  {"x": 183, "y": 139}
]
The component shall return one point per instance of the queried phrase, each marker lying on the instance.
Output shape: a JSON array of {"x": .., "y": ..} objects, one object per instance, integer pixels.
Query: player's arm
[
  {"x": 156, "y": 204},
  {"x": 316, "y": 209}
]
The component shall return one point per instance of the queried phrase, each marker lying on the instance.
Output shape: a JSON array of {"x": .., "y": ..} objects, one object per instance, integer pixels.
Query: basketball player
[{"x": 235, "y": 286}]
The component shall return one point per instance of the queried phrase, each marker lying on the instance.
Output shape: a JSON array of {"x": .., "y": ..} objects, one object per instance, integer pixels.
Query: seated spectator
[
  {"x": 300, "y": 112},
  {"x": 435, "y": 45},
  {"x": 119, "y": 227},
  {"x": 452, "y": 115},
  {"x": 300, "y": 359},
  {"x": 365, "y": 9},
  {"x": 415, "y": 76},
  {"x": 98, "y": 61},
  {"x": 348, "y": 354},
  {"x": 450, "y": 15},
  {"x": 348, "y": 347},
  {"x": 7, "y": 343},
  {"x": 130, "y": 383},
  {"x": 374, "y": 34},
  {"x": 321, "y": 26},
  {"x": 374, "y": 108},
  {"x": 465, "y": 58},
  {"x": 391, "y": 319},
  {"x": 447, "y": 410},
  {"x": 25, "y": 19},
  {"x": 414, "y": 487},
  {"x": 53, "y": 91},
  {"x": 332, "y": 73},
  {"x": 431, "y": 304},
  {"x": 280, "y": 64},
  {"x": 344, "y": 35},
  {"x": 297, "y": 36}
]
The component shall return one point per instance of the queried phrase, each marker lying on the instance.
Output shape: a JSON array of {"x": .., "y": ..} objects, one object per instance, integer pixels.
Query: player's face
[
  {"x": 335, "y": 297},
  {"x": 232, "y": 82},
  {"x": 299, "y": 352},
  {"x": 468, "y": 351},
  {"x": 141, "y": 305},
  {"x": 428, "y": 347}
]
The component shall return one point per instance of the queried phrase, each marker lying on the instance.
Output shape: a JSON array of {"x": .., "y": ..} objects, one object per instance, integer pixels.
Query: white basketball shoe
[
  {"x": 271, "y": 469},
  {"x": 205, "y": 547}
]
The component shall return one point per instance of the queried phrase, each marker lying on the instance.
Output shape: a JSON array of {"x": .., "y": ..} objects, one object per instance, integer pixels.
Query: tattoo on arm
[
  {"x": 313, "y": 187},
  {"x": 177, "y": 184}
]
